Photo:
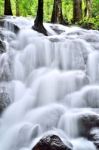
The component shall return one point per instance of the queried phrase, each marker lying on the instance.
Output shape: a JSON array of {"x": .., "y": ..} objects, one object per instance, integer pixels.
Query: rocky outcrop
[{"x": 51, "y": 142}]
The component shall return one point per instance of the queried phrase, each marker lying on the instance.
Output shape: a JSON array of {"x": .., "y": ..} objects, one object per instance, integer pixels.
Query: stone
[
  {"x": 9, "y": 25},
  {"x": 94, "y": 136},
  {"x": 87, "y": 122},
  {"x": 2, "y": 47},
  {"x": 51, "y": 142}
]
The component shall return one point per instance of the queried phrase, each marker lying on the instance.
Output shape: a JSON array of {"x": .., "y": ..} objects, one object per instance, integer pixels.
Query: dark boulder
[
  {"x": 87, "y": 122},
  {"x": 94, "y": 136},
  {"x": 52, "y": 142},
  {"x": 2, "y": 47}
]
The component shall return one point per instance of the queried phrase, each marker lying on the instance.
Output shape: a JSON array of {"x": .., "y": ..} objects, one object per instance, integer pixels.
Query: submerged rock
[
  {"x": 88, "y": 96},
  {"x": 51, "y": 142},
  {"x": 1, "y": 35},
  {"x": 57, "y": 29},
  {"x": 4, "y": 101},
  {"x": 6, "y": 69}
]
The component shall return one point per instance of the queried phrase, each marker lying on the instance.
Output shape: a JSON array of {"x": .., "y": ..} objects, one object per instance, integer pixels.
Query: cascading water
[{"x": 48, "y": 85}]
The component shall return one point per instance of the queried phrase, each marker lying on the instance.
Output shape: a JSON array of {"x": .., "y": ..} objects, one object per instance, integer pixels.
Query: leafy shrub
[{"x": 90, "y": 23}]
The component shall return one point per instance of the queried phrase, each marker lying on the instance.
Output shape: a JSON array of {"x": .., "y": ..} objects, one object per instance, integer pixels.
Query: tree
[
  {"x": 88, "y": 8},
  {"x": 38, "y": 23},
  {"x": 77, "y": 10},
  {"x": 57, "y": 16},
  {"x": 7, "y": 7},
  {"x": 17, "y": 8}
]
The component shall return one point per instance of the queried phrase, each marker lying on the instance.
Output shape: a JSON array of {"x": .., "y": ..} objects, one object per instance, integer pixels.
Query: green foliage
[
  {"x": 91, "y": 23},
  {"x": 1, "y": 7},
  {"x": 48, "y": 7},
  {"x": 95, "y": 8},
  {"x": 67, "y": 6},
  {"x": 28, "y": 8}
]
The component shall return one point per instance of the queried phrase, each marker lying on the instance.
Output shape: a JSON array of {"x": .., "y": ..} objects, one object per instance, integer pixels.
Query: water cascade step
[{"x": 49, "y": 87}]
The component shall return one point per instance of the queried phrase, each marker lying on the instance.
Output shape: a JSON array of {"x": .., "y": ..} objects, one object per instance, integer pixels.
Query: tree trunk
[
  {"x": 7, "y": 7},
  {"x": 57, "y": 16},
  {"x": 88, "y": 8},
  {"x": 77, "y": 10},
  {"x": 38, "y": 23},
  {"x": 17, "y": 8}
]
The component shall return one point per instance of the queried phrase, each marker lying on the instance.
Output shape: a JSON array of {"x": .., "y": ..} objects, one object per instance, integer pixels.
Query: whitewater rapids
[{"x": 49, "y": 83}]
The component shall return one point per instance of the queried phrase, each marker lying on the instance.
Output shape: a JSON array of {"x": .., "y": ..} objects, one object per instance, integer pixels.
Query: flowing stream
[{"x": 48, "y": 85}]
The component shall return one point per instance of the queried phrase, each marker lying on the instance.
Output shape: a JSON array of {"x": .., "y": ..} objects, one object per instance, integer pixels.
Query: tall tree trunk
[
  {"x": 88, "y": 8},
  {"x": 57, "y": 16},
  {"x": 77, "y": 10},
  {"x": 17, "y": 8},
  {"x": 7, "y": 7},
  {"x": 38, "y": 23}
]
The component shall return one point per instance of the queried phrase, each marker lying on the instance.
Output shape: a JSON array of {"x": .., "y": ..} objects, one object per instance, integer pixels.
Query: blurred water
[{"x": 48, "y": 84}]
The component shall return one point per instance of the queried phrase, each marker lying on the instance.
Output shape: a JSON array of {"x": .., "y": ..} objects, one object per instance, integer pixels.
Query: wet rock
[
  {"x": 51, "y": 142},
  {"x": 6, "y": 69},
  {"x": 4, "y": 101},
  {"x": 78, "y": 123},
  {"x": 92, "y": 38},
  {"x": 94, "y": 137},
  {"x": 2, "y": 47},
  {"x": 9, "y": 26},
  {"x": 87, "y": 122},
  {"x": 57, "y": 29},
  {"x": 1, "y": 22},
  {"x": 54, "y": 39},
  {"x": 1, "y": 35}
]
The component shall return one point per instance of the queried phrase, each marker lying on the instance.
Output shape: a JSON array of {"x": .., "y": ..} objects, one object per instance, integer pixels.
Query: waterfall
[{"x": 48, "y": 85}]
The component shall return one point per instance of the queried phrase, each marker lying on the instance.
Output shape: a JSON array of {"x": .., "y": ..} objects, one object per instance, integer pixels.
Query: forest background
[{"x": 28, "y": 8}]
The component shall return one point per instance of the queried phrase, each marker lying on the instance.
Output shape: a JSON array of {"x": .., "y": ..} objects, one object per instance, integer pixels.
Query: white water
[{"x": 51, "y": 82}]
